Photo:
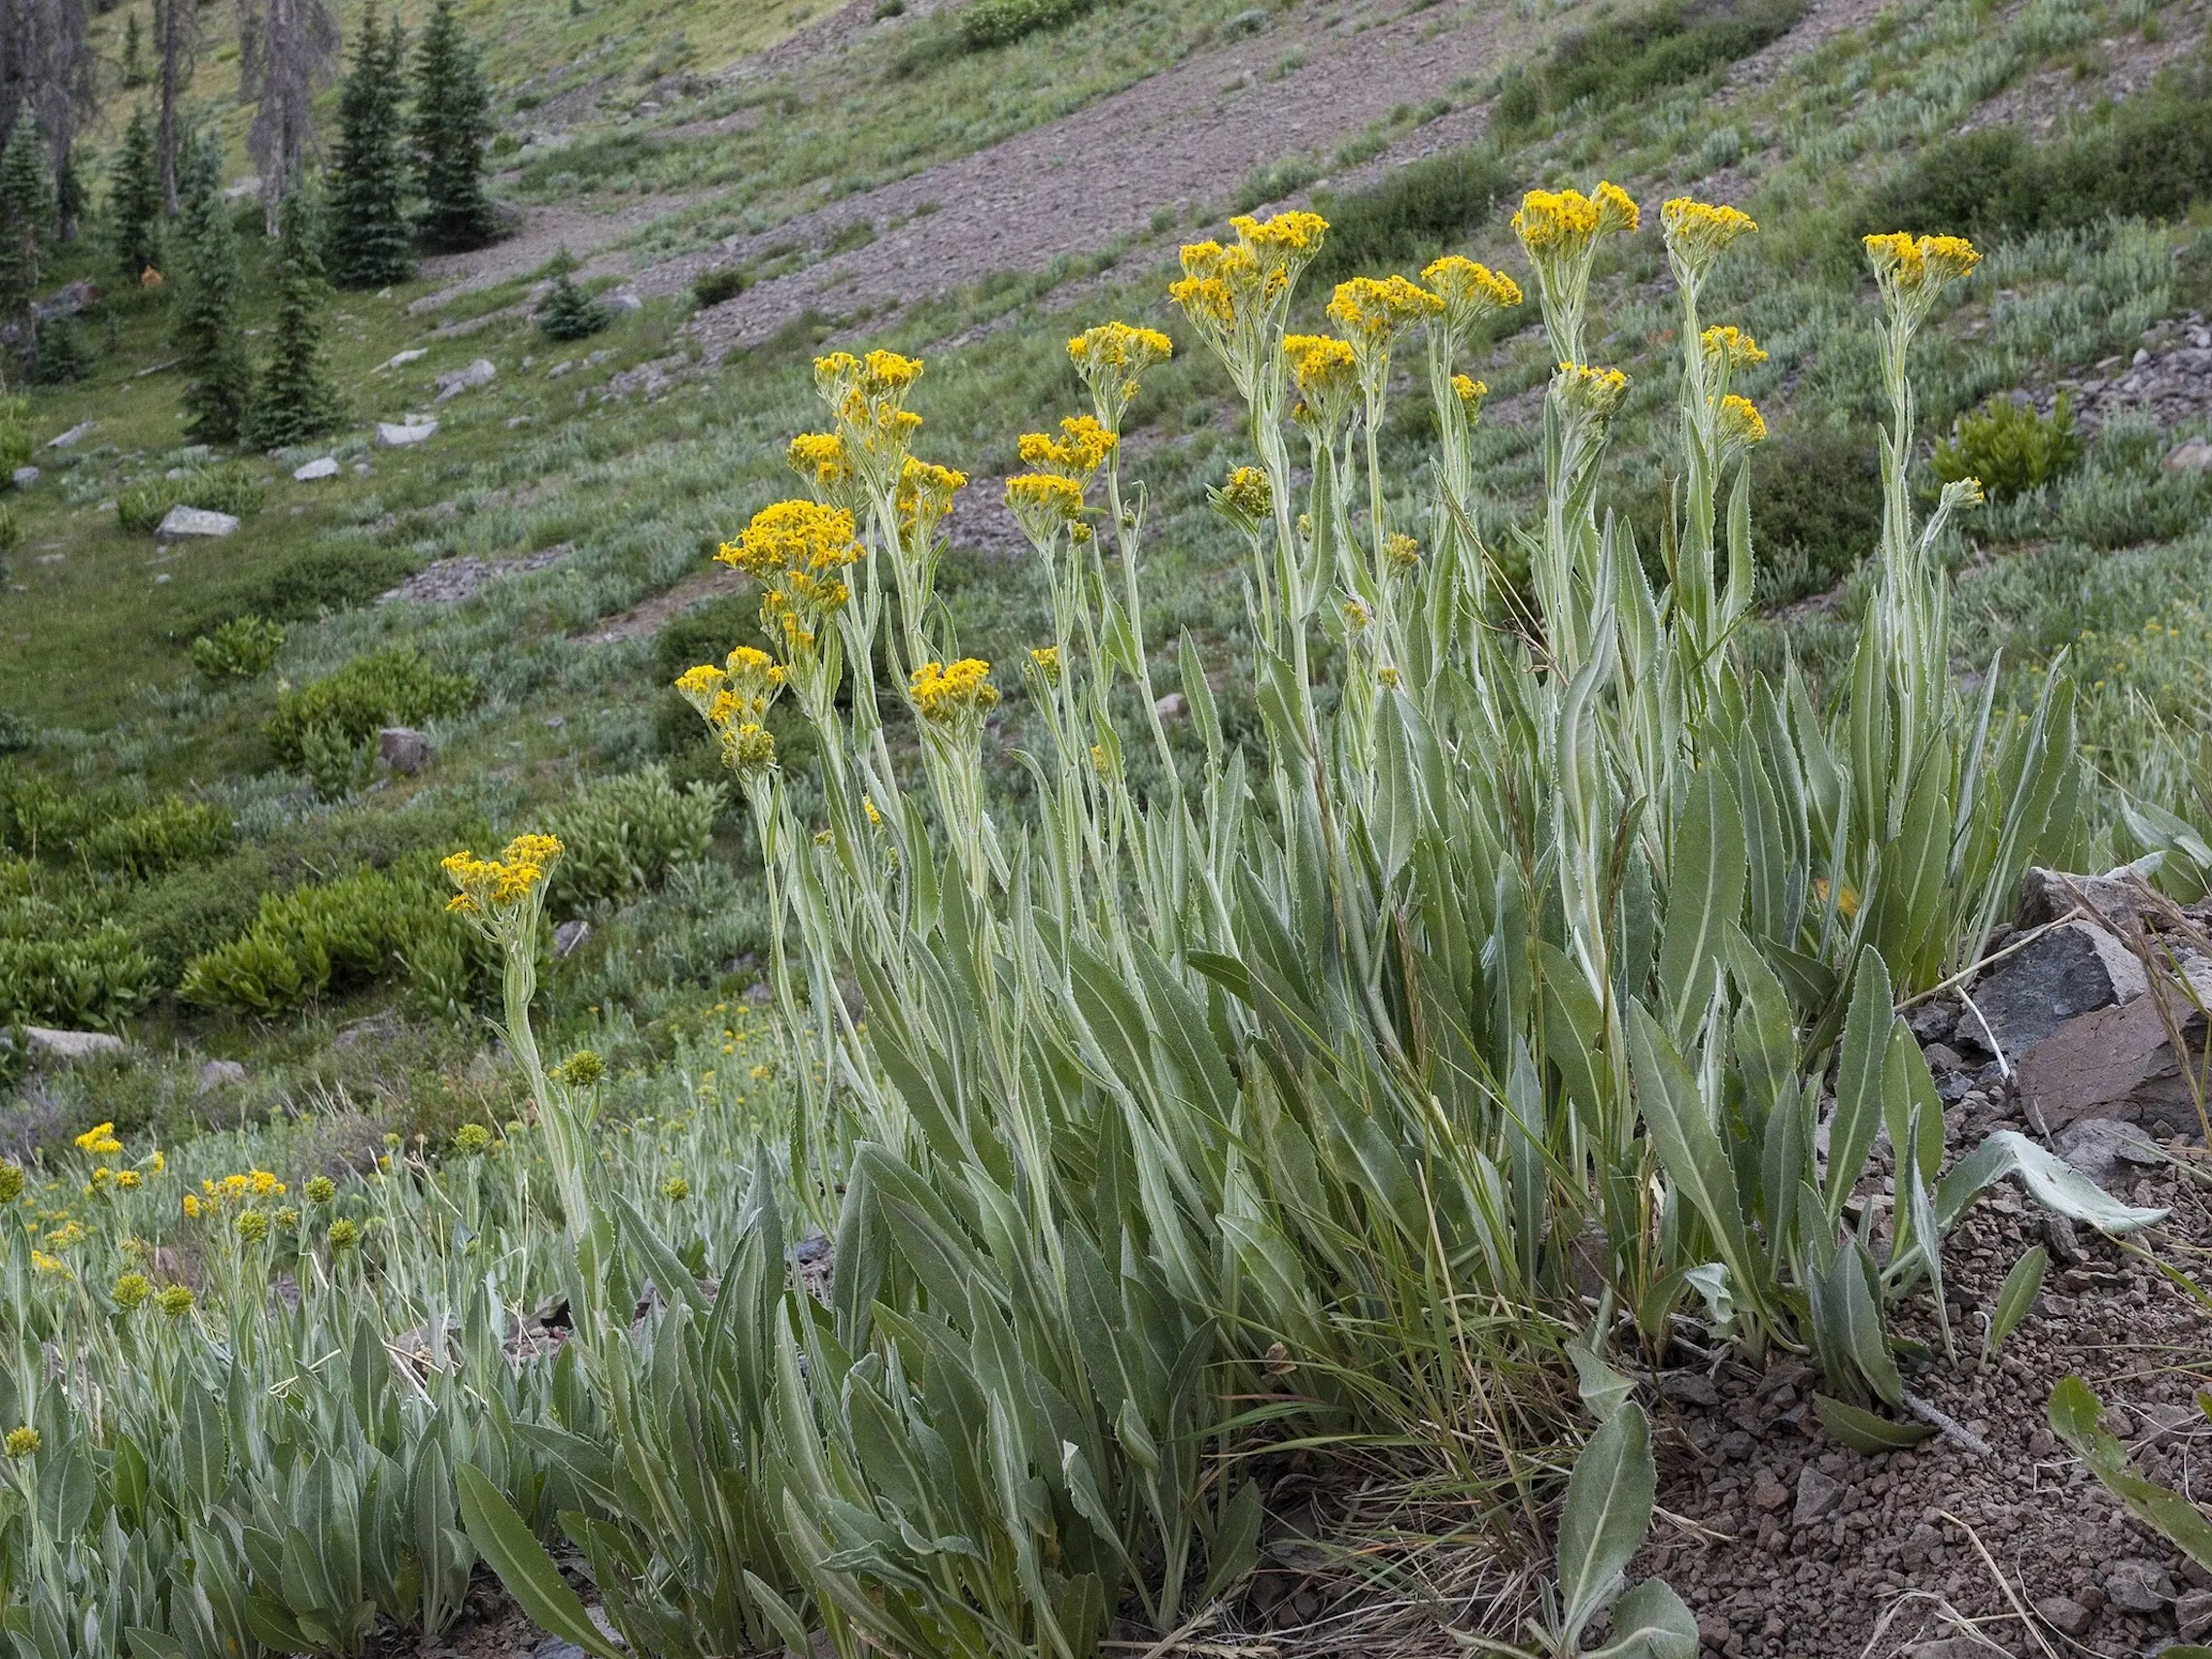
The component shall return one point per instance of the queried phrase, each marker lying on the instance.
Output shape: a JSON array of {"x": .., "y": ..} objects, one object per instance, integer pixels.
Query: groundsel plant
[{"x": 1356, "y": 1077}]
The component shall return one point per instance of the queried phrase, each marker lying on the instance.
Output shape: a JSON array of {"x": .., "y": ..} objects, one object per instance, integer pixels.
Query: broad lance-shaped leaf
[
  {"x": 2074, "y": 1414},
  {"x": 2056, "y": 1184},
  {"x": 1689, "y": 1148},
  {"x": 1864, "y": 1432},
  {"x": 505, "y": 1540},
  {"x": 1650, "y": 1622},
  {"x": 1608, "y": 1510},
  {"x": 1858, "y": 1082},
  {"x": 2015, "y": 1296},
  {"x": 1703, "y": 899}
]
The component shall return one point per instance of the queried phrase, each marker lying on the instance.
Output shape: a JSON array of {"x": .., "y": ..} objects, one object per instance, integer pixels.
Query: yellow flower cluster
[
  {"x": 499, "y": 888},
  {"x": 732, "y": 700},
  {"x": 21, "y": 1442},
  {"x": 795, "y": 549},
  {"x": 925, "y": 494},
  {"x": 1741, "y": 422},
  {"x": 1249, "y": 493},
  {"x": 819, "y": 457},
  {"x": 1231, "y": 293},
  {"x": 100, "y": 1138},
  {"x": 1047, "y": 659},
  {"x": 1079, "y": 450},
  {"x": 1912, "y": 266},
  {"x": 52, "y": 1266},
  {"x": 1594, "y": 391},
  {"x": 1698, "y": 232},
  {"x": 1112, "y": 358},
  {"x": 1377, "y": 311},
  {"x": 1469, "y": 291},
  {"x": 1401, "y": 552},
  {"x": 868, "y": 396},
  {"x": 1470, "y": 392},
  {"x": 1564, "y": 223},
  {"x": 1042, "y": 503},
  {"x": 131, "y": 1292},
  {"x": 1327, "y": 375},
  {"x": 951, "y": 695},
  {"x": 1730, "y": 344}
]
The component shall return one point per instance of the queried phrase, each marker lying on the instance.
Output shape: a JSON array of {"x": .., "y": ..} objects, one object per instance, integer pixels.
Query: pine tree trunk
[{"x": 168, "y": 18}]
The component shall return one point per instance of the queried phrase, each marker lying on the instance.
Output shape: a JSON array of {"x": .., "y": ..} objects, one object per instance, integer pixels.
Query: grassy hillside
[{"x": 612, "y": 499}]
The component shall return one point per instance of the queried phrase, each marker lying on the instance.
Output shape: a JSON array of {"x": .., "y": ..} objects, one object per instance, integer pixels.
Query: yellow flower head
[
  {"x": 97, "y": 1138},
  {"x": 1112, "y": 358},
  {"x": 128, "y": 1178},
  {"x": 1046, "y": 661},
  {"x": 1044, "y": 504},
  {"x": 131, "y": 1292},
  {"x": 10, "y": 1180},
  {"x": 21, "y": 1442},
  {"x": 819, "y": 458},
  {"x": 191, "y": 1206},
  {"x": 793, "y": 537},
  {"x": 1732, "y": 345},
  {"x": 582, "y": 1069},
  {"x": 159, "y": 1161},
  {"x": 676, "y": 1188},
  {"x": 1470, "y": 392},
  {"x": 1698, "y": 232},
  {"x": 1595, "y": 392},
  {"x": 1401, "y": 552},
  {"x": 1327, "y": 375},
  {"x": 1078, "y": 453},
  {"x": 52, "y": 1266},
  {"x": 498, "y": 892},
  {"x": 925, "y": 494},
  {"x": 176, "y": 1300},
  {"x": 1236, "y": 295},
  {"x": 1470, "y": 291},
  {"x": 868, "y": 397},
  {"x": 1910, "y": 271},
  {"x": 344, "y": 1234},
  {"x": 1248, "y": 494},
  {"x": 953, "y": 695},
  {"x": 252, "y": 1226},
  {"x": 1375, "y": 313},
  {"x": 1741, "y": 422}
]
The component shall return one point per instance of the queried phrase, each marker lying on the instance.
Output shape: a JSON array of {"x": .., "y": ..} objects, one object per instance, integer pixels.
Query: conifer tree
[
  {"x": 25, "y": 209},
  {"x": 134, "y": 53},
  {"x": 177, "y": 37},
  {"x": 134, "y": 200},
  {"x": 295, "y": 49},
  {"x": 568, "y": 312},
  {"x": 293, "y": 399},
  {"x": 218, "y": 380},
  {"x": 366, "y": 242},
  {"x": 452, "y": 127}
]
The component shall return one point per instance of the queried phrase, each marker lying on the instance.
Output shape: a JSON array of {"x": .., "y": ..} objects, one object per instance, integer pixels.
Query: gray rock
[
  {"x": 553, "y": 1647},
  {"x": 1170, "y": 706},
  {"x": 221, "y": 1073},
  {"x": 322, "y": 466},
  {"x": 2063, "y": 1614},
  {"x": 68, "y": 438},
  {"x": 390, "y": 437},
  {"x": 24, "y": 477},
  {"x": 400, "y": 360},
  {"x": 2115, "y": 900},
  {"x": 478, "y": 374},
  {"x": 404, "y": 749},
  {"x": 2138, "y": 1586},
  {"x": 2097, "y": 1146},
  {"x": 2072, "y": 970},
  {"x": 2194, "y": 1613},
  {"x": 570, "y": 935},
  {"x": 2194, "y": 456},
  {"x": 182, "y": 520},
  {"x": 1817, "y": 1496},
  {"x": 1768, "y": 1493},
  {"x": 564, "y": 367},
  {"x": 44, "y": 1043},
  {"x": 2117, "y": 1064},
  {"x": 623, "y": 303},
  {"x": 1950, "y": 1647}
]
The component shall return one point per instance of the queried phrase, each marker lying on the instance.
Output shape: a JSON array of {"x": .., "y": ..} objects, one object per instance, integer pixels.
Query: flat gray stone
[
  {"x": 2138, "y": 1586},
  {"x": 2063, "y": 1614},
  {"x": 44, "y": 1043},
  {"x": 68, "y": 438},
  {"x": 400, "y": 360},
  {"x": 392, "y": 436},
  {"x": 623, "y": 303},
  {"x": 2194, "y": 1613},
  {"x": 478, "y": 374},
  {"x": 1817, "y": 1496},
  {"x": 221, "y": 1073},
  {"x": 2099, "y": 1146},
  {"x": 2075, "y": 969},
  {"x": 404, "y": 749},
  {"x": 569, "y": 936},
  {"x": 182, "y": 520},
  {"x": 2117, "y": 1064},
  {"x": 24, "y": 477},
  {"x": 322, "y": 466},
  {"x": 2194, "y": 456}
]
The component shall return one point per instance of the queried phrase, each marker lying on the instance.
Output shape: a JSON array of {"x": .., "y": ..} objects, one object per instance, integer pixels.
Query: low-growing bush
[
  {"x": 60, "y": 965},
  {"x": 107, "y": 832},
  {"x": 302, "y": 587},
  {"x": 986, "y": 23},
  {"x": 1619, "y": 58},
  {"x": 625, "y": 835},
  {"x": 393, "y": 687},
  {"x": 15, "y": 440},
  {"x": 337, "y": 936},
  {"x": 568, "y": 313},
  {"x": 232, "y": 490},
  {"x": 1416, "y": 208},
  {"x": 712, "y": 288},
  {"x": 2010, "y": 447},
  {"x": 242, "y": 649},
  {"x": 1819, "y": 509}
]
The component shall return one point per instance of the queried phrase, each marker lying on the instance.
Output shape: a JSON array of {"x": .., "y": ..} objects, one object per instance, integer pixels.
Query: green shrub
[
  {"x": 59, "y": 966},
  {"x": 2150, "y": 155},
  {"x": 568, "y": 313},
  {"x": 2010, "y": 447},
  {"x": 301, "y": 588},
  {"x": 337, "y": 936},
  {"x": 988, "y": 23},
  {"x": 1620, "y": 59},
  {"x": 230, "y": 490},
  {"x": 171, "y": 832},
  {"x": 712, "y": 288},
  {"x": 242, "y": 649},
  {"x": 1415, "y": 210},
  {"x": 1818, "y": 512},
  {"x": 18, "y": 731},
  {"x": 14, "y": 431},
  {"x": 625, "y": 835},
  {"x": 393, "y": 687}
]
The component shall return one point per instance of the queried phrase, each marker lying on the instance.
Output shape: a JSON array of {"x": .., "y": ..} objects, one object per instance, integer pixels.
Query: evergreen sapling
[
  {"x": 295, "y": 399},
  {"x": 25, "y": 214},
  {"x": 568, "y": 312},
  {"x": 452, "y": 127},
  {"x": 134, "y": 202},
  {"x": 366, "y": 244},
  {"x": 218, "y": 380}
]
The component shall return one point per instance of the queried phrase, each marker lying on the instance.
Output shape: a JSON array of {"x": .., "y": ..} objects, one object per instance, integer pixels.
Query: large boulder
[
  {"x": 2074, "y": 969},
  {"x": 403, "y": 436},
  {"x": 478, "y": 374},
  {"x": 182, "y": 520},
  {"x": 42, "y": 1043}
]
